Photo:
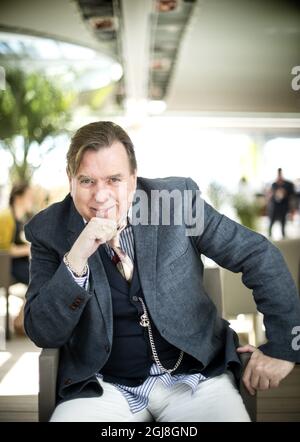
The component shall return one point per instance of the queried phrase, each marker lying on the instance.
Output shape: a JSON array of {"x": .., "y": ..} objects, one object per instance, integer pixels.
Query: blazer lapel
[
  {"x": 145, "y": 240},
  {"x": 98, "y": 276},
  {"x": 102, "y": 291}
]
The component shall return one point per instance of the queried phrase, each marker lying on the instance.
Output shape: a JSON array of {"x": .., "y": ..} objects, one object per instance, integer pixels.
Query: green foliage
[
  {"x": 99, "y": 96},
  {"x": 247, "y": 211},
  {"x": 32, "y": 108}
]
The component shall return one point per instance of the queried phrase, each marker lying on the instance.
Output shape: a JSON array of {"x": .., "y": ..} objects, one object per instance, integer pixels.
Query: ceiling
[{"x": 205, "y": 56}]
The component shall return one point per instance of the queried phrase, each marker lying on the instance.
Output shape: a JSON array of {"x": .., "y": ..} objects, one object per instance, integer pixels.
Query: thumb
[{"x": 246, "y": 349}]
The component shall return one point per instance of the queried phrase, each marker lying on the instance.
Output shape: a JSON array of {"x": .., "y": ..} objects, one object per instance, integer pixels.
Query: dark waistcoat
[{"x": 131, "y": 356}]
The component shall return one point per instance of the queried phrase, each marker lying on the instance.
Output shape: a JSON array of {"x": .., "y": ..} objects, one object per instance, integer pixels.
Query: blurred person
[
  {"x": 297, "y": 193},
  {"x": 123, "y": 298},
  {"x": 280, "y": 200},
  {"x": 12, "y": 238}
]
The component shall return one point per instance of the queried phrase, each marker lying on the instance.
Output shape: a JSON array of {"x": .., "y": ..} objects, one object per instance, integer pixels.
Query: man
[
  {"x": 282, "y": 192},
  {"x": 124, "y": 301}
]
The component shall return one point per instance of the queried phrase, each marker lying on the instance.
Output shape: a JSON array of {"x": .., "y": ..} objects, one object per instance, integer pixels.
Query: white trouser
[{"x": 215, "y": 400}]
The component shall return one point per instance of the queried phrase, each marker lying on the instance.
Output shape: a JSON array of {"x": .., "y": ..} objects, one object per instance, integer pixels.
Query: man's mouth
[{"x": 101, "y": 211}]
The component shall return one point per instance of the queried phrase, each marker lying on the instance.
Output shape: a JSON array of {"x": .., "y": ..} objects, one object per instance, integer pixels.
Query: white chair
[{"x": 238, "y": 299}]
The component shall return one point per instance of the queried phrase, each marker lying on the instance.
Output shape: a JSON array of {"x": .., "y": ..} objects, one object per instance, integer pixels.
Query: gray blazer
[{"x": 59, "y": 313}]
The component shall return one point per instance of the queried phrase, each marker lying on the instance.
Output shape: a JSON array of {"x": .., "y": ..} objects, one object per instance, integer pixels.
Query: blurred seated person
[{"x": 12, "y": 238}]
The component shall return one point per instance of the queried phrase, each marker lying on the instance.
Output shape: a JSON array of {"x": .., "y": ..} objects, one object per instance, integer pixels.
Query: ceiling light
[{"x": 103, "y": 23}]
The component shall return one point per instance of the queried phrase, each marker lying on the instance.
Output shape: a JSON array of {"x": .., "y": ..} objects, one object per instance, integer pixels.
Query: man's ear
[
  {"x": 135, "y": 178},
  {"x": 70, "y": 182}
]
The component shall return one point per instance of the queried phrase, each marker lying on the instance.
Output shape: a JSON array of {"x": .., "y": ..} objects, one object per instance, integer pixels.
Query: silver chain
[{"x": 145, "y": 322}]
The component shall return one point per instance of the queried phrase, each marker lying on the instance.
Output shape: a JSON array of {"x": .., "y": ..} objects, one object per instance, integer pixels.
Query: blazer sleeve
[
  {"x": 54, "y": 300},
  {"x": 264, "y": 271}
]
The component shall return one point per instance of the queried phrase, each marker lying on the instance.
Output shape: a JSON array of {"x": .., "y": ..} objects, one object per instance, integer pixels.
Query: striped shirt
[{"x": 138, "y": 397}]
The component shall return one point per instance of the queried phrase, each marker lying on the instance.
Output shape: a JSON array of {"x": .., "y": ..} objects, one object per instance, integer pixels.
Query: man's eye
[
  {"x": 114, "y": 180},
  {"x": 85, "y": 181}
]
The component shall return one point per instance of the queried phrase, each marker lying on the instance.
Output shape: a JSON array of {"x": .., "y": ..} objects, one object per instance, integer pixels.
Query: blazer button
[
  {"x": 135, "y": 298},
  {"x": 68, "y": 381},
  {"x": 107, "y": 348}
]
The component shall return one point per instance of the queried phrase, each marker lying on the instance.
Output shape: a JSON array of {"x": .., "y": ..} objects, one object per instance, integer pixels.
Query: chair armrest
[
  {"x": 249, "y": 400},
  {"x": 48, "y": 366}
]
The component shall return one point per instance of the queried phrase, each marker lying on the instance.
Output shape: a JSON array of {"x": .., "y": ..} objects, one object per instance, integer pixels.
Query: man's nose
[{"x": 101, "y": 193}]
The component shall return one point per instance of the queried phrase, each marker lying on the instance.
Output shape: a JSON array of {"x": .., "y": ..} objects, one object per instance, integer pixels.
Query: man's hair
[
  {"x": 18, "y": 189},
  {"x": 95, "y": 136}
]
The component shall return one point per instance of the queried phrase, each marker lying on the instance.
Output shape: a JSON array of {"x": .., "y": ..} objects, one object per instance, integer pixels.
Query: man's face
[{"x": 104, "y": 185}]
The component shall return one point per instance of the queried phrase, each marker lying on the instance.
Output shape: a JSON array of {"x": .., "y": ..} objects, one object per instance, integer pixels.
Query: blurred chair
[
  {"x": 48, "y": 367},
  {"x": 49, "y": 359},
  {"x": 5, "y": 282},
  {"x": 238, "y": 299},
  {"x": 290, "y": 249},
  {"x": 213, "y": 287}
]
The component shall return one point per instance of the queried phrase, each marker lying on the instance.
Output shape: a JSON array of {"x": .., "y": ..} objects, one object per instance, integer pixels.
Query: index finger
[{"x": 247, "y": 379}]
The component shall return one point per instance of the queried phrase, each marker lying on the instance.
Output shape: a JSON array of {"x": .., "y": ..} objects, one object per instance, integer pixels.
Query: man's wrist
[{"x": 78, "y": 267}]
